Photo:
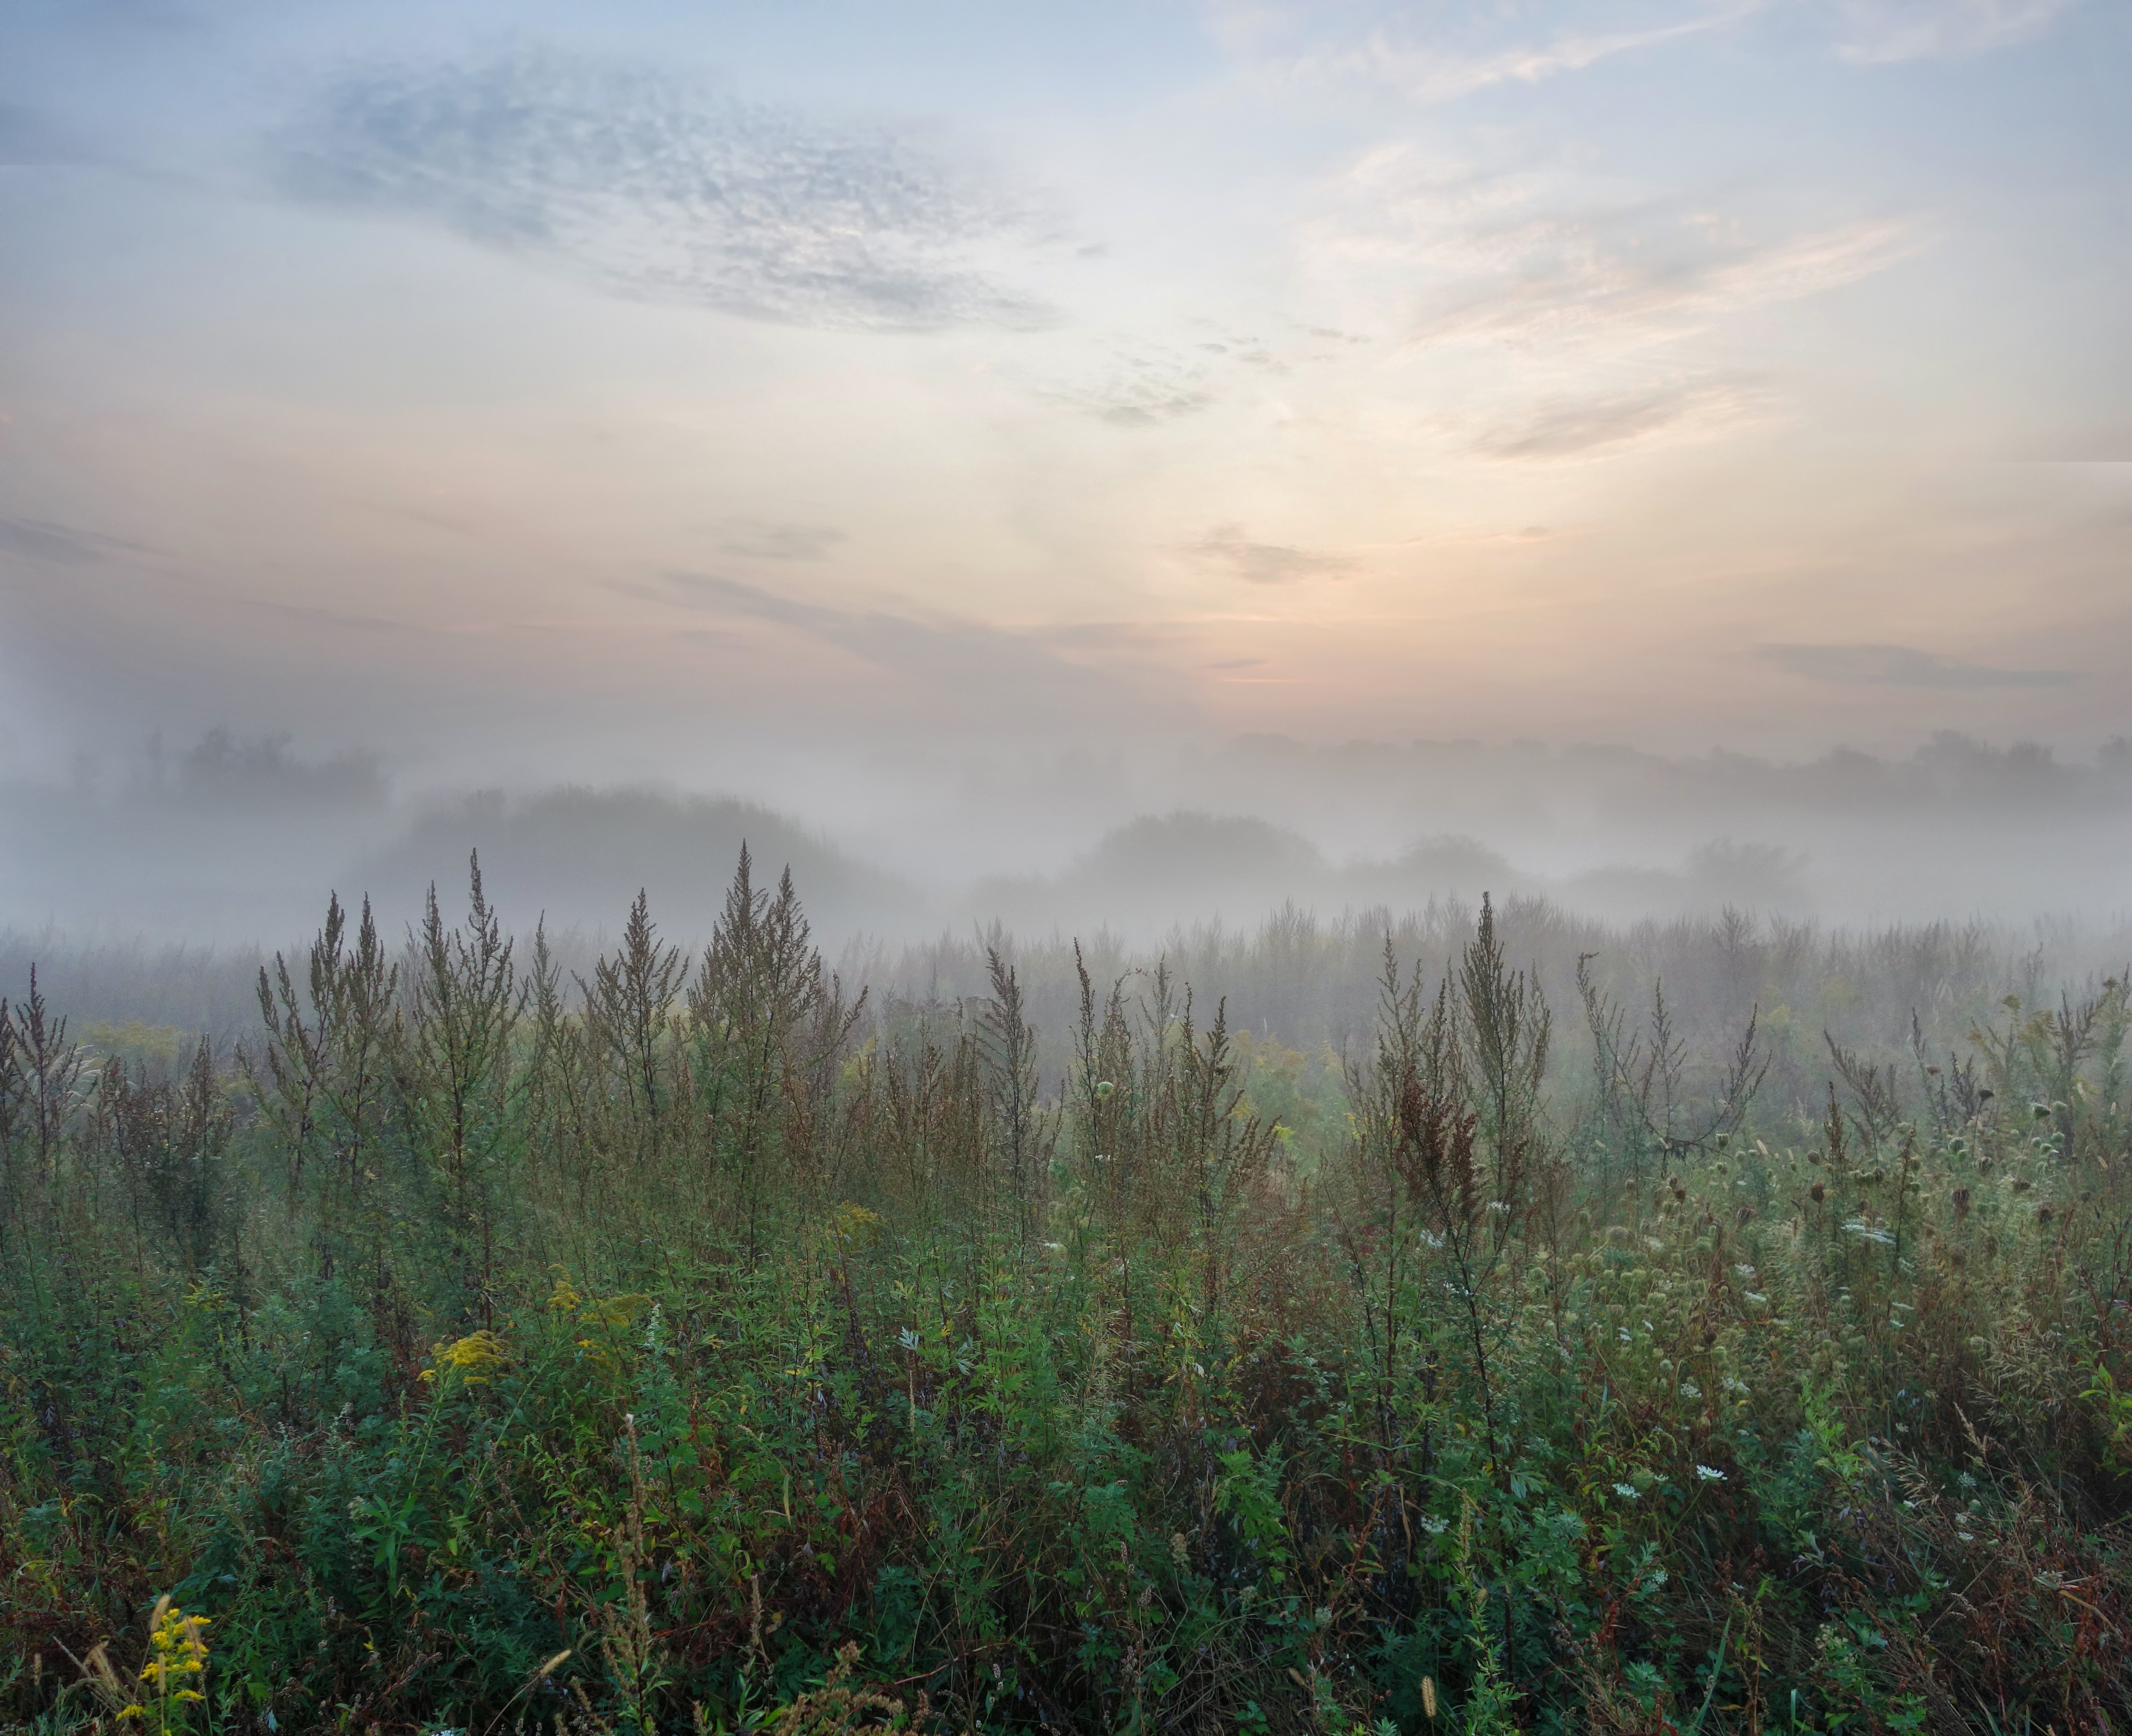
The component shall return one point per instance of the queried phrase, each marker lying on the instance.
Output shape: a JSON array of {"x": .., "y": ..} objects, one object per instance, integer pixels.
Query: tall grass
[{"x": 1505, "y": 1339}]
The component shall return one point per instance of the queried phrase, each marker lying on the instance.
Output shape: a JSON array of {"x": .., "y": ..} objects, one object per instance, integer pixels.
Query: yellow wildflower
[
  {"x": 615, "y": 1311},
  {"x": 477, "y": 1356},
  {"x": 177, "y": 1649}
]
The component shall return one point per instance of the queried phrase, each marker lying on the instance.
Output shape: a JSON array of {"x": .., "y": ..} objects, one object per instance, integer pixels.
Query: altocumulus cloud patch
[{"x": 655, "y": 188}]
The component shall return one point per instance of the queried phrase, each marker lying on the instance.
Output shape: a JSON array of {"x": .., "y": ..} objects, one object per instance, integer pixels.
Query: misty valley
[{"x": 1244, "y": 867}]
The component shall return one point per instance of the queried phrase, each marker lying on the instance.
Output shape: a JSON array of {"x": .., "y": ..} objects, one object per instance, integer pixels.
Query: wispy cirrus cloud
[
  {"x": 1445, "y": 56},
  {"x": 656, "y": 189},
  {"x": 40, "y": 540},
  {"x": 1536, "y": 257},
  {"x": 1651, "y": 272},
  {"x": 1901, "y": 666},
  {"x": 1881, "y": 32},
  {"x": 1580, "y": 427},
  {"x": 1429, "y": 74}
]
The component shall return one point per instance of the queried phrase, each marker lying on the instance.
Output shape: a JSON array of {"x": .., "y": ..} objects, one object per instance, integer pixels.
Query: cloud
[
  {"x": 1447, "y": 252},
  {"x": 311, "y": 615},
  {"x": 1430, "y": 74},
  {"x": 1649, "y": 273},
  {"x": 763, "y": 541},
  {"x": 1125, "y": 404},
  {"x": 731, "y": 596},
  {"x": 46, "y": 542},
  {"x": 1012, "y": 679},
  {"x": 1175, "y": 368},
  {"x": 1575, "y": 427},
  {"x": 1901, "y": 666},
  {"x": 1265, "y": 563},
  {"x": 1155, "y": 640},
  {"x": 41, "y": 540},
  {"x": 1881, "y": 32},
  {"x": 1140, "y": 387},
  {"x": 654, "y": 188}
]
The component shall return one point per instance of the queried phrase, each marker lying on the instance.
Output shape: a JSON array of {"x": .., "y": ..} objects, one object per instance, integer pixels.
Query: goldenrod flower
[
  {"x": 476, "y": 1356},
  {"x": 177, "y": 1648}
]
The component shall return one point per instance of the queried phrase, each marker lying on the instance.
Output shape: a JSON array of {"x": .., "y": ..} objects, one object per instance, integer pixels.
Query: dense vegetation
[{"x": 694, "y": 1344}]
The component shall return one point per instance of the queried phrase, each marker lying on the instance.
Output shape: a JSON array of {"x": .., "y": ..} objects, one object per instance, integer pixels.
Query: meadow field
[{"x": 1477, "y": 1321}]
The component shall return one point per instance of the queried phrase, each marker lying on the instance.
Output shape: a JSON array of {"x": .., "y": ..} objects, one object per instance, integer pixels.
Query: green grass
[{"x": 691, "y": 1349}]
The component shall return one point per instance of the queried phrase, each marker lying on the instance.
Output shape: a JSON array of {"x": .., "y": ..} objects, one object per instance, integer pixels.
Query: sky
[{"x": 530, "y": 392}]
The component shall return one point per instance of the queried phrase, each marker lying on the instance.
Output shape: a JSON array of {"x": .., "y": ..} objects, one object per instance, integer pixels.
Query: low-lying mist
[
  {"x": 167, "y": 895},
  {"x": 236, "y": 842}
]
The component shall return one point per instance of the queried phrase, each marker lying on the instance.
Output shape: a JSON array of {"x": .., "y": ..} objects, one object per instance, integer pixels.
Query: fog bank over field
[{"x": 236, "y": 841}]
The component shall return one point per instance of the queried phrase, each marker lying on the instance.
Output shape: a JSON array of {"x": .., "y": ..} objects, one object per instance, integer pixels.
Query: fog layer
[{"x": 238, "y": 842}]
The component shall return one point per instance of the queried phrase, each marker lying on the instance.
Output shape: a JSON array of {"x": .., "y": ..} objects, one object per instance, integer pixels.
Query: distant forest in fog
[{"x": 231, "y": 840}]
